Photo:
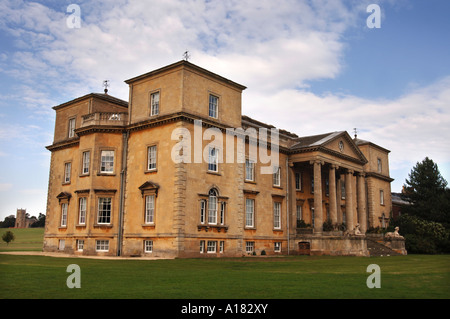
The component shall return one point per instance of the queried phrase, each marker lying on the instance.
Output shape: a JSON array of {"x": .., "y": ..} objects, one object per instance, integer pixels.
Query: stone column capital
[{"x": 350, "y": 171}]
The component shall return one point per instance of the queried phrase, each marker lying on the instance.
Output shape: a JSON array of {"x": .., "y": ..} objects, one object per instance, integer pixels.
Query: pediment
[
  {"x": 64, "y": 195},
  {"x": 149, "y": 187},
  {"x": 339, "y": 144},
  {"x": 344, "y": 145}
]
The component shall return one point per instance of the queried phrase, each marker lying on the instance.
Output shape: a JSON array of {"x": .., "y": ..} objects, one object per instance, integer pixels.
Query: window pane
[
  {"x": 249, "y": 212},
  {"x": 212, "y": 207},
  {"x": 152, "y": 157},
  {"x": 213, "y": 159},
  {"x": 149, "y": 209},
  {"x": 107, "y": 162},
  {"x": 276, "y": 215},
  {"x": 86, "y": 161},
  {"x": 154, "y": 104},
  {"x": 213, "y": 104},
  {"x": 82, "y": 213},
  {"x": 104, "y": 210}
]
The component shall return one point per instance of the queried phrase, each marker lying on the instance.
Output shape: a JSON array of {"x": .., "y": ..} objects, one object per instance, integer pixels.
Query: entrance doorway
[{"x": 304, "y": 248}]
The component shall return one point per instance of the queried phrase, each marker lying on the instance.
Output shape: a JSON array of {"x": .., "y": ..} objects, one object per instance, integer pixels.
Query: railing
[{"x": 105, "y": 118}]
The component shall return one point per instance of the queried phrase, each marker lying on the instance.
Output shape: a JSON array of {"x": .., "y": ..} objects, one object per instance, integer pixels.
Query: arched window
[{"x": 212, "y": 206}]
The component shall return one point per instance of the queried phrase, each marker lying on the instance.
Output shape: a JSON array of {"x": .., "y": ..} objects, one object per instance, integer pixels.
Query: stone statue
[
  {"x": 357, "y": 231},
  {"x": 394, "y": 234}
]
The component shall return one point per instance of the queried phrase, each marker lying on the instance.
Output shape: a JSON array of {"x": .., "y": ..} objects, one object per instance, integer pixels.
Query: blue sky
[{"x": 310, "y": 67}]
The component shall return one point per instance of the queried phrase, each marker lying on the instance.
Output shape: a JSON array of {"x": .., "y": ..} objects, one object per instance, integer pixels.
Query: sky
[{"x": 310, "y": 67}]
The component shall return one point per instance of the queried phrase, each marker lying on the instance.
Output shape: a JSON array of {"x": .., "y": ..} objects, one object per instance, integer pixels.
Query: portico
[{"x": 327, "y": 174}]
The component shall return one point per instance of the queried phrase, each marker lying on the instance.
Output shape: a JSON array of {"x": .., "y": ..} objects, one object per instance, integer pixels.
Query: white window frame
[
  {"x": 211, "y": 247},
  {"x": 202, "y": 246},
  {"x": 381, "y": 197},
  {"x": 249, "y": 247},
  {"x": 277, "y": 215},
  {"x": 277, "y": 176},
  {"x": 213, "y": 109},
  {"x": 213, "y": 159},
  {"x": 154, "y": 103},
  {"x": 102, "y": 245},
  {"x": 221, "y": 246},
  {"x": 102, "y": 213},
  {"x": 152, "y": 152},
  {"x": 80, "y": 244},
  {"x": 202, "y": 211},
  {"x": 107, "y": 161},
  {"x": 82, "y": 210},
  {"x": 149, "y": 209},
  {"x": 71, "y": 128},
  {"x": 277, "y": 246},
  {"x": 222, "y": 212},
  {"x": 249, "y": 170},
  {"x": 212, "y": 207},
  {"x": 64, "y": 209},
  {"x": 67, "y": 172},
  {"x": 148, "y": 246},
  {"x": 249, "y": 212},
  {"x": 86, "y": 159}
]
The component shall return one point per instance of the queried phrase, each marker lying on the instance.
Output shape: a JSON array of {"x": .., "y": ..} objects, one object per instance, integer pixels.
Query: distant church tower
[{"x": 21, "y": 221}]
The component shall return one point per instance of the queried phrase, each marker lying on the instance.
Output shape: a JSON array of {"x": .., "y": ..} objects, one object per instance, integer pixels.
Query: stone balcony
[{"x": 105, "y": 119}]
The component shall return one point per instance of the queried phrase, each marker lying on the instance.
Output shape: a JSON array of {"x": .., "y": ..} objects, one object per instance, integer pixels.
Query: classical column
[
  {"x": 362, "y": 202},
  {"x": 318, "y": 213},
  {"x": 349, "y": 207},
  {"x": 333, "y": 199}
]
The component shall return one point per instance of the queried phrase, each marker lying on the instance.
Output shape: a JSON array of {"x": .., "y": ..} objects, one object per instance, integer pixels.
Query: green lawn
[
  {"x": 26, "y": 239},
  {"x": 292, "y": 277},
  {"x": 299, "y": 277}
]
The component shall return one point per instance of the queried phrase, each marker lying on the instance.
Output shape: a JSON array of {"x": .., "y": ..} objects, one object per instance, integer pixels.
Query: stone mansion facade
[{"x": 147, "y": 178}]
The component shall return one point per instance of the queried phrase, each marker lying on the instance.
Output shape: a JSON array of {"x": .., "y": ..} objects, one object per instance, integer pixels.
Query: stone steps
[{"x": 377, "y": 249}]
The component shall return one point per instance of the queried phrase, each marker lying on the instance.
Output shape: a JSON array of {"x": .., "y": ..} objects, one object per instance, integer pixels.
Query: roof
[
  {"x": 101, "y": 96},
  {"x": 315, "y": 140},
  {"x": 359, "y": 142},
  {"x": 187, "y": 64}
]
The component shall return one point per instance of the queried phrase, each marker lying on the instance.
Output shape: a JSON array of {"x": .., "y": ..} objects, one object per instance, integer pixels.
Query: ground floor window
[
  {"x": 202, "y": 246},
  {"x": 148, "y": 246},
  {"x": 212, "y": 246},
  {"x": 249, "y": 247},
  {"x": 80, "y": 244},
  {"x": 277, "y": 247},
  {"x": 102, "y": 245},
  {"x": 62, "y": 244}
]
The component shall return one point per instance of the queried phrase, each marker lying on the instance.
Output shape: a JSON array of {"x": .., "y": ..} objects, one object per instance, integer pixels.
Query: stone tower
[{"x": 21, "y": 221}]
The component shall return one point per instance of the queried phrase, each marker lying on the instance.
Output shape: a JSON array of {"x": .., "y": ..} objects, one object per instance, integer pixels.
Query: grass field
[
  {"x": 26, "y": 239},
  {"x": 292, "y": 277}
]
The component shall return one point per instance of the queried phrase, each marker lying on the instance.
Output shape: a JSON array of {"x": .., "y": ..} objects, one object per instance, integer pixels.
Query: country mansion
[{"x": 178, "y": 171}]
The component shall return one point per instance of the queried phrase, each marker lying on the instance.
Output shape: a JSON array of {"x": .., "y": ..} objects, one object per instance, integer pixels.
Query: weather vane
[
  {"x": 106, "y": 85},
  {"x": 356, "y": 132},
  {"x": 186, "y": 55}
]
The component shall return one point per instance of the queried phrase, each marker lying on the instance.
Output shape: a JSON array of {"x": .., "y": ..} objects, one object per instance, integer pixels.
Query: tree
[
  {"x": 8, "y": 237},
  {"x": 40, "y": 221},
  {"x": 427, "y": 192},
  {"x": 10, "y": 221}
]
